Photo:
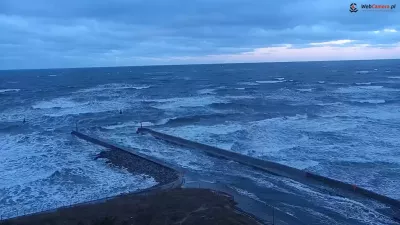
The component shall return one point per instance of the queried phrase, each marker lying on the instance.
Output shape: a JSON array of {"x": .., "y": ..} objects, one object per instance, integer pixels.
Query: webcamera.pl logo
[{"x": 371, "y": 7}]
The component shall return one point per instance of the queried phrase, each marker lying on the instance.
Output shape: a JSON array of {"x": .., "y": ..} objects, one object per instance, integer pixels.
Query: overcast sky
[{"x": 83, "y": 33}]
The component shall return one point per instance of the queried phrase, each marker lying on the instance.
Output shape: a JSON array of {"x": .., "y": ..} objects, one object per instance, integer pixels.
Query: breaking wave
[
  {"x": 365, "y": 83},
  {"x": 269, "y": 81},
  {"x": 206, "y": 91},
  {"x": 305, "y": 89},
  {"x": 9, "y": 90},
  {"x": 371, "y": 101},
  {"x": 114, "y": 86},
  {"x": 248, "y": 83},
  {"x": 186, "y": 102}
]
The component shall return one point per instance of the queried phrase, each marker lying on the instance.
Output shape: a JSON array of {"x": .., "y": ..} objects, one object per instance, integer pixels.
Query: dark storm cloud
[{"x": 77, "y": 33}]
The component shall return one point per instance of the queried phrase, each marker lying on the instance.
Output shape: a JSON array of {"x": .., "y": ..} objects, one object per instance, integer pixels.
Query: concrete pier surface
[{"x": 277, "y": 169}]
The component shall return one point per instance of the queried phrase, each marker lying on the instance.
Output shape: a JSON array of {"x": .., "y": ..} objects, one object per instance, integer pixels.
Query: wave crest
[{"x": 9, "y": 90}]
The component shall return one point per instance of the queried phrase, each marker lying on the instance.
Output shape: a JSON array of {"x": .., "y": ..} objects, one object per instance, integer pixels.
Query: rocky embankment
[{"x": 137, "y": 165}]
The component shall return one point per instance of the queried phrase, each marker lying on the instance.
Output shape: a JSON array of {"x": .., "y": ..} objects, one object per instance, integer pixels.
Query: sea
[{"x": 337, "y": 119}]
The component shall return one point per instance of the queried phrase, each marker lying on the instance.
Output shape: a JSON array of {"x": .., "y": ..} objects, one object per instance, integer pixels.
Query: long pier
[{"x": 275, "y": 168}]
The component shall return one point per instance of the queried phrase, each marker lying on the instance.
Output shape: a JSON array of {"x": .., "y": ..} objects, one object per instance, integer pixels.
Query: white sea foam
[
  {"x": 248, "y": 83},
  {"x": 66, "y": 106},
  {"x": 372, "y": 87},
  {"x": 206, "y": 91},
  {"x": 127, "y": 124},
  {"x": 362, "y": 72},
  {"x": 241, "y": 88},
  {"x": 299, "y": 164},
  {"x": 348, "y": 208},
  {"x": 42, "y": 172},
  {"x": 57, "y": 103},
  {"x": 276, "y": 136},
  {"x": 187, "y": 102},
  {"x": 305, "y": 89},
  {"x": 321, "y": 82},
  {"x": 135, "y": 124},
  {"x": 240, "y": 97},
  {"x": 394, "y": 77},
  {"x": 9, "y": 90},
  {"x": 203, "y": 133},
  {"x": 329, "y": 104},
  {"x": 364, "y": 83},
  {"x": 279, "y": 78},
  {"x": 269, "y": 81},
  {"x": 361, "y": 89},
  {"x": 372, "y": 101},
  {"x": 246, "y": 193},
  {"x": 114, "y": 86},
  {"x": 170, "y": 153}
]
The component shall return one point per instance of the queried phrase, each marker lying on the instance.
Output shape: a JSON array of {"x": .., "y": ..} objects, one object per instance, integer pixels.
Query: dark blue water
[{"x": 338, "y": 119}]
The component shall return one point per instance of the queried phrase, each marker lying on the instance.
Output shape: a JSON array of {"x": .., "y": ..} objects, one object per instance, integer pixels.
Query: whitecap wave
[
  {"x": 53, "y": 75},
  {"x": 136, "y": 124},
  {"x": 202, "y": 133},
  {"x": 364, "y": 83},
  {"x": 206, "y": 91},
  {"x": 371, "y": 101},
  {"x": 241, "y": 88},
  {"x": 114, "y": 86},
  {"x": 269, "y": 81},
  {"x": 9, "y": 90},
  {"x": 66, "y": 106},
  {"x": 241, "y": 97},
  {"x": 362, "y": 89},
  {"x": 394, "y": 77},
  {"x": 321, "y": 82},
  {"x": 57, "y": 103},
  {"x": 127, "y": 124},
  {"x": 279, "y": 78},
  {"x": 248, "y": 83},
  {"x": 372, "y": 87},
  {"x": 329, "y": 104},
  {"x": 187, "y": 102},
  {"x": 305, "y": 89}
]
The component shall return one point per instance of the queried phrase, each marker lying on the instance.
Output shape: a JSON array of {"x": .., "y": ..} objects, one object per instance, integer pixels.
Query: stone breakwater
[{"x": 138, "y": 165}]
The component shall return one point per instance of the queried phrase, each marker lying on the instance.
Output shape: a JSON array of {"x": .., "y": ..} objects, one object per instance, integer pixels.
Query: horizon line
[{"x": 198, "y": 64}]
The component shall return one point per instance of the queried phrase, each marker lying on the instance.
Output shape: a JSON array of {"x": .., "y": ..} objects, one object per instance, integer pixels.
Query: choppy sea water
[{"x": 338, "y": 119}]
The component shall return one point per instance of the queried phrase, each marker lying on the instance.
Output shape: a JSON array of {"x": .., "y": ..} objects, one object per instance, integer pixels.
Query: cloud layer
[{"x": 45, "y": 34}]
